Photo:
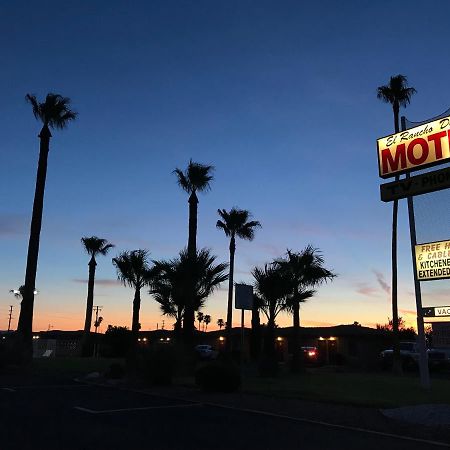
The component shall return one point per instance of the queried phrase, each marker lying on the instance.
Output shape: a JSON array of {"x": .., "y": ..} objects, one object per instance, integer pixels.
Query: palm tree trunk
[
  {"x": 135, "y": 321},
  {"x": 230, "y": 295},
  {"x": 396, "y": 363},
  {"x": 189, "y": 313},
  {"x": 25, "y": 325},
  {"x": 296, "y": 337},
  {"x": 89, "y": 307},
  {"x": 269, "y": 341}
]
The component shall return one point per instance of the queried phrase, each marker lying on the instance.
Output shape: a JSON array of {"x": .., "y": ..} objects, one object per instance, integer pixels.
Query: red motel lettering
[{"x": 416, "y": 153}]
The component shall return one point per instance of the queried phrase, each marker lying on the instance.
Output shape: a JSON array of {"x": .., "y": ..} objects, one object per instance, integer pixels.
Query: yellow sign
[
  {"x": 433, "y": 260},
  {"x": 416, "y": 148}
]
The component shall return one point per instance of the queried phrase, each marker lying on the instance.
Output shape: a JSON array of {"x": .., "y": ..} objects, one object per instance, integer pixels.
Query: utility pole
[
  {"x": 98, "y": 321},
  {"x": 10, "y": 316},
  {"x": 97, "y": 309}
]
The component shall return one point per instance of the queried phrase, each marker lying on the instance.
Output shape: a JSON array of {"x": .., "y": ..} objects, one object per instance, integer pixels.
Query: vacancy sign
[
  {"x": 416, "y": 148},
  {"x": 436, "y": 311},
  {"x": 433, "y": 260}
]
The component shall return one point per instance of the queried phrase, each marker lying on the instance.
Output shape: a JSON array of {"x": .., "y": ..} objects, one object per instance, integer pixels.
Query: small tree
[
  {"x": 220, "y": 323},
  {"x": 207, "y": 321}
]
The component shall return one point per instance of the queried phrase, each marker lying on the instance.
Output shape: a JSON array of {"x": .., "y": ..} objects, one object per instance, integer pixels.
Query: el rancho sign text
[{"x": 416, "y": 148}]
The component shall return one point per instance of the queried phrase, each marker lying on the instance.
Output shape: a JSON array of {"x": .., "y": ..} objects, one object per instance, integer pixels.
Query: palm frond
[
  {"x": 94, "y": 245},
  {"x": 396, "y": 91},
  {"x": 54, "y": 112},
  {"x": 133, "y": 268},
  {"x": 235, "y": 223}
]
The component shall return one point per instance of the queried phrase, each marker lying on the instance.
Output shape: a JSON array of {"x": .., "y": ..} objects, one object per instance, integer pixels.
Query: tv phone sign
[{"x": 413, "y": 149}]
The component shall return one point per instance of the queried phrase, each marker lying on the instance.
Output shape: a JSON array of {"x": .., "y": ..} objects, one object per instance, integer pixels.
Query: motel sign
[{"x": 413, "y": 149}]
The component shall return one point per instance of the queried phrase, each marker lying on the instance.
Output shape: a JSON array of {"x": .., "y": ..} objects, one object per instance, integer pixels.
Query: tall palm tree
[
  {"x": 94, "y": 246},
  {"x": 54, "y": 112},
  {"x": 398, "y": 94},
  {"x": 200, "y": 317},
  {"x": 220, "y": 323},
  {"x": 306, "y": 271},
  {"x": 273, "y": 287},
  {"x": 171, "y": 279},
  {"x": 234, "y": 223},
  {"x": 207, "y": 321},
  {"x": 133, "y": 270},
  {"x": 196, "y": 178}
]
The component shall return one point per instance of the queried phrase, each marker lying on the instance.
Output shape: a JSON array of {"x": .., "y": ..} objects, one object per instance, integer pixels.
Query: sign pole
[{"x": 423, "y": 357}]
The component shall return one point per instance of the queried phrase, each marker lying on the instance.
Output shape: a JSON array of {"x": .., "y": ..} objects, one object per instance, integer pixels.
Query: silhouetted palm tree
[
  {"x": 396, "y": 93},
  {"x": 234, "y": 223},
  {"x": 94, "y": 246},
  {"x": 207, "y": 320},
  {"x": 133, "y": 270},
  {"x": 306, "y": 271},
  {"x": 196, "y": 178},
  {"x": 54, "y": 112},
  {"x": 273, "y": 287},
  {"x": 220, "y": 323},
  {"x": 200, "y": 318},
  {"x": 171, "y": 279}
]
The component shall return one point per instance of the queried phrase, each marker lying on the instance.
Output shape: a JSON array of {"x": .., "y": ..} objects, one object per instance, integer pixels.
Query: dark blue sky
[{"x": 280, "y": 96}]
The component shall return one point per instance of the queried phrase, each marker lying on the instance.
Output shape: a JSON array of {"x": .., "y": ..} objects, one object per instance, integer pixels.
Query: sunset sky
[{"x": 280, "y": 96}]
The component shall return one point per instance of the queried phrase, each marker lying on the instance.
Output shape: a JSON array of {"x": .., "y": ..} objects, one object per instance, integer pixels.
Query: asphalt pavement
[{"x": 78, "y": 416}]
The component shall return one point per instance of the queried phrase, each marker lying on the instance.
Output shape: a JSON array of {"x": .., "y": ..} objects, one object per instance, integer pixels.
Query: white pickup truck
[{"x": 409, "y": 354}]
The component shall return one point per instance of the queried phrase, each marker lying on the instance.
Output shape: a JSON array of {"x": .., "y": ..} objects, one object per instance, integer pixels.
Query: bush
[
  {"x": 218, "y": 376},
  {"x": 158, "y": 365},
  {"x": 268, "y": 367}
]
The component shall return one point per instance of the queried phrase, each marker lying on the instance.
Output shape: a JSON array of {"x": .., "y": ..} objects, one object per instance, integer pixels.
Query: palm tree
[
  {"x": 200, "y": 318},
  {"x": 396, "y": 93},
  {"x": 54, "y": 112},
  {"x": 172, "y": 279},
  {"x": 94, "y": 246},
  {"x": 306, "y": 271},
  {"x": 234, "y": 223},
  {"x": 207, "y": 320},
  {"x": 220, "y": 323},
  {"x": 196, "y": 178},
  {"x": 133, "y": 270},
  {"x": 273, "y": 287}
]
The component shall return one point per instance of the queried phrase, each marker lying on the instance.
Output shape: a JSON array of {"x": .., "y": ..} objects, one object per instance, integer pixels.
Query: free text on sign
[
  {"x": 433, "y": 260},
  {"x": 415, "y": 148}
]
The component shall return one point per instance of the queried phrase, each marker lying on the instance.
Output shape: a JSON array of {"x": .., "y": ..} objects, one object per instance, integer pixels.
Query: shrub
[
  {"x": 218, "y": 376},
  {"x": 158, "y": 365},
  {"x": 268, "y": 367}
]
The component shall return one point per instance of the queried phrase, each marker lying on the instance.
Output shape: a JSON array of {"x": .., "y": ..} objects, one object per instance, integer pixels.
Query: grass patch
[{"x": 373, "y": 390}]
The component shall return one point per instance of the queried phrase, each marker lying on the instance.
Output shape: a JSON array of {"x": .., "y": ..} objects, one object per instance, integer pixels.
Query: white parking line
[
  {"x": 281, "y": 416},
  {"x": 44, "y": 386},
  {"x": 331, "y": 425},
  {"x": 143, "y": 408}
]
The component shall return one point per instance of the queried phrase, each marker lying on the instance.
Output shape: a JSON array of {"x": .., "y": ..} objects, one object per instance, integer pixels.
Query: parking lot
[{"x": 83, "y": 416}]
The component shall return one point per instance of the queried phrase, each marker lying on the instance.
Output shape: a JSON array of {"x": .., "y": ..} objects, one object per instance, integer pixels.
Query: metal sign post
[
  {"x": 243, "y": 300},
  {"x": 423, "y": 356}
]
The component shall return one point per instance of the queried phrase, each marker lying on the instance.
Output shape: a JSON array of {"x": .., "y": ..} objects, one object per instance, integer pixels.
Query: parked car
[
  {"x": 310, "y": 355},
  {"x": 205, "y": 351}
]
